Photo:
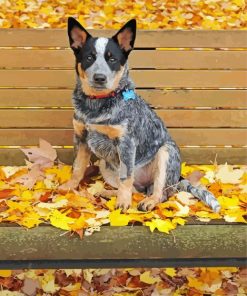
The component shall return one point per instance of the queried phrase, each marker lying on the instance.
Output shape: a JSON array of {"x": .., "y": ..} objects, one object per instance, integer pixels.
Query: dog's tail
[{"x": 207, "y": 197}]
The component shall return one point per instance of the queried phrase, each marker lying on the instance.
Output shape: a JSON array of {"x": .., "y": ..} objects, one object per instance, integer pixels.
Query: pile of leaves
[
  {"x": 218, "y": 281},
  {"x": 30, "y": 195},
  {"x": 150, "y": 14}
]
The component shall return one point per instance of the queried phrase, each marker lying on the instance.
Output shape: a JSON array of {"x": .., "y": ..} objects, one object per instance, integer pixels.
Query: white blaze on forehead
[{"x": 100, "y": 45}]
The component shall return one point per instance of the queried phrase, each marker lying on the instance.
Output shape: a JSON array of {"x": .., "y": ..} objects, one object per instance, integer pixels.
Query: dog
[{"x": 135, "y": 149}]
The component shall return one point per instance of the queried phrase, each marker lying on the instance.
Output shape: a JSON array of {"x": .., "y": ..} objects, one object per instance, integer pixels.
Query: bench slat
[
  {"x": 145, "y": 38},
  {"x": 62, "y": 118},
  {"x": 191, "y": 245},
  {"x": 205, "y": 155},
  {"x": 149, "y": 78},
  {"x": 157, "y": 97},
  {"x": 159, "y": 59},
  {"x": 183, "y": 137}
]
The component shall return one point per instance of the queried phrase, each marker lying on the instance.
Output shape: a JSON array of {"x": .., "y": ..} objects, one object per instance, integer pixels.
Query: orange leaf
[{"x": 6, "y": 193}]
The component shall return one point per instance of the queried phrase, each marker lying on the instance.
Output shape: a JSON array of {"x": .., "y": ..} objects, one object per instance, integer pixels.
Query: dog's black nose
[{"x": 99, "y": 78}]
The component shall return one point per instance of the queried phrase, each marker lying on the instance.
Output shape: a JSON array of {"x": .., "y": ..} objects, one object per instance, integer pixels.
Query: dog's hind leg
[
  {"x": 111, "y": 177},
  {"x": 160, "y": 173}
]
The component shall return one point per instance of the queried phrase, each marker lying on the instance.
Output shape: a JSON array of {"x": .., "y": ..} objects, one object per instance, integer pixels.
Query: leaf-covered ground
[
  {"x": 150, "y": 14},
  {"x": 30, "y": 195},
  {"x": 218, "y": 281}
]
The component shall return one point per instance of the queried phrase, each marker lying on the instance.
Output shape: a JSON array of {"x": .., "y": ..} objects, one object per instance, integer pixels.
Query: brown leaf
[
  {"x": 43, "y": 155},
  {"x": 31, "y": 177},
  {"x": 45, "y": 197},
  {"x": 30, "y": 286},
  {"x": 195, "y": 177}
]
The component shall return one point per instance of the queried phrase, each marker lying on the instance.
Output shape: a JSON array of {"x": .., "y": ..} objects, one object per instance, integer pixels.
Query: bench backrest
[{"x": 196, "y": 80}]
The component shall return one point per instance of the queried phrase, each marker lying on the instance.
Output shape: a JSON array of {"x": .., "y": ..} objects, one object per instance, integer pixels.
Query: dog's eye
[
  {"x": 112, "y": 60},
  {"x": 89, "y": 58}
]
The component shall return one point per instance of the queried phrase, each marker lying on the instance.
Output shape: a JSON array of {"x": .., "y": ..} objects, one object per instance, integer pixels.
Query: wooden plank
[
  {"x": 182, "y": 136},
  {"x": 145, "y": 38},
  {"x": 154, "y": 59},
  {"x": 158, "y": 98},
  {"x": 47, "y": 118},
  {"x": 148, "y": 78},
  {"x": 194, "y": 245},
  {"x": 205, "y": 155}
]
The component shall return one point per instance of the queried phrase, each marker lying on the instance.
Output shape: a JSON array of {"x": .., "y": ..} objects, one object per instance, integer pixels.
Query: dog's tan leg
[
  {"x": 127, "y": 154},
  {"x": 124, "y": 194},
  {"x": 79, "y": 127},
  {"x": 160, "y": 167},
  {"x": 81, "y": 162}
]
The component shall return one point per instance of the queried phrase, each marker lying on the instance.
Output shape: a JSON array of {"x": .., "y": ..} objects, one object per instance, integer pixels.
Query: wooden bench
[{"x": 196, "y": 81}]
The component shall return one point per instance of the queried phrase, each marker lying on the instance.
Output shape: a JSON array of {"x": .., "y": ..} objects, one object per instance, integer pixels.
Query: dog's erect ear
[
  {"x": 77, "y": 34},
  {"x": 125, "y": 37}
]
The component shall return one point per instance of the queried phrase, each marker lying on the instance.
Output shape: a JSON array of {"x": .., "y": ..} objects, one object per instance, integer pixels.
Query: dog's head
[{"x": 100, "y": 62}]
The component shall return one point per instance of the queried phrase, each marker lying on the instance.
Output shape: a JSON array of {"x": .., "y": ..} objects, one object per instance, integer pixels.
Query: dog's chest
[{"x": 102, "y": 146}]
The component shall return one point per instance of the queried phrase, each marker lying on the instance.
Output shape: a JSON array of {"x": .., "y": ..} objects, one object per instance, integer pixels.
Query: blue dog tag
[{"x": 129, "y": 95}]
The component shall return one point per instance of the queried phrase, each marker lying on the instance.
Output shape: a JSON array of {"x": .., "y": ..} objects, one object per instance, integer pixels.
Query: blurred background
[{"x": 151, "y": 14}]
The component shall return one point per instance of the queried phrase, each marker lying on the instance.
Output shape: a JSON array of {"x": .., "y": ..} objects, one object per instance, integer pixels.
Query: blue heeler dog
[{"x": 135, "y": 150}]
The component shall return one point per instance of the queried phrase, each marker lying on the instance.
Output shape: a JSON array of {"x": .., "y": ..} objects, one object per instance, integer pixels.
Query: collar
[
  {"x": 119, "y": 90},
  {"x": 126, "y": 94},
  {"x": 108, "y": 96}
]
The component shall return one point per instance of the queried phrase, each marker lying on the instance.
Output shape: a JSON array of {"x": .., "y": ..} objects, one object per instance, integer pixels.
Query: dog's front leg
[
  {"x": 127, "y": 153},
  {"x": 82, "y": 156}
]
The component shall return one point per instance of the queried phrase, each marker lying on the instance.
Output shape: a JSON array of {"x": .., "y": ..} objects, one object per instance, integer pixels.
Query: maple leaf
[
  {"x": 170, "y": 271},
  {"x": 118, "y": 219},
  {"x": 97, "y": 187},
  {"x": 60, "y": 220},
  {"x": 228, "y": 175},
  {"x": 147, "y": 279},
  {"x": 161, "y": 225},
  {"x": 44, "y": 155}
]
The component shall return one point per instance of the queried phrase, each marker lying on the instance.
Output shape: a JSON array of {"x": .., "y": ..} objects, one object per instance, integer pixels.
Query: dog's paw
[
  {"x": 148, "y": 203},
  {"x": 70, "y": 185},
  {"x": 123, "y": 201},
  {"x": 107, "y": 194}
]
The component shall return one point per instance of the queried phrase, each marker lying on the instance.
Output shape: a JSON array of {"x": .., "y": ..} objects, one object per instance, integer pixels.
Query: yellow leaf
[
  {"x": 55, "y": 205},
  {"x": 147, "y": 279},
  {"x": 179, "y": 221},
  {"x": 118, "y": 219},
  {"x": 228, "y": 202},
  {"x": 30, "y": 219},
  {"x": 48, "y": 282},
  {"x": 97, "y": 187},
  {"x": 111, "y": 204},
  {"x": 161, "y": 225},
  {"x": 5, "y": 273},
  {"x": 60, "y": 220},
  {"x": 26, "y": 195},
  {"x": 63, "y": 174},
  {"x": 170, "y": 271},
  {"x": 194, "y": 283},
  {"x": 185, "y": 169},
  {"x": 79, "y": 223}
]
